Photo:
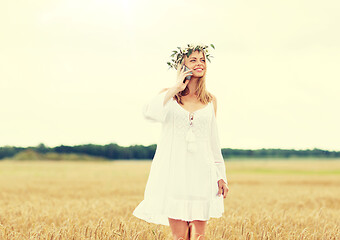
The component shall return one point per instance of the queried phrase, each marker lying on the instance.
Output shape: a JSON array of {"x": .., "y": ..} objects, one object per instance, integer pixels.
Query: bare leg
[
  {"x": 197, "y": 229},
  {"x": 179, "y": 228}
]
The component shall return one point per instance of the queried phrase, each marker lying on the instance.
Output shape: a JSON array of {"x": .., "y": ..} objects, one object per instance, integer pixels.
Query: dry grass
[{"x": 95, "y": 200}]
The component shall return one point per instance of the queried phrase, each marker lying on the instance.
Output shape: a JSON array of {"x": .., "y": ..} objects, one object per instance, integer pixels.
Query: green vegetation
[
  {"x": 139, "y": 152},
  {"x": 29, "y": 154},
  {"x": 287, "y": 171}
]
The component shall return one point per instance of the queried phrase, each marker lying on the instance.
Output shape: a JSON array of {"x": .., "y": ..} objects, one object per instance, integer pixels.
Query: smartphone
[{"x": 187, "y": 77}]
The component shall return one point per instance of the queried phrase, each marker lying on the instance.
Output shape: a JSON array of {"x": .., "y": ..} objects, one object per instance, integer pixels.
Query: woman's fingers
[
  {"x": 188, "y": 74},
  {"x": 182, "y": 74},
  {"x": 225, "y": 191},
  {"x": 186, "y": 82},
  {"x": 182, "y": 77},
  {"x": 220, "y": 190}
]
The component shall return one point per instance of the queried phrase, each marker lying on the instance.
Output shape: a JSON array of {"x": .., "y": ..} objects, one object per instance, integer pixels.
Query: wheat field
[{"x": 95, "y": 199}]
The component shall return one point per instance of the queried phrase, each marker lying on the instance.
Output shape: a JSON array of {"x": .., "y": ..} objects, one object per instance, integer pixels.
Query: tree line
[{"x": 113, "y": 151}]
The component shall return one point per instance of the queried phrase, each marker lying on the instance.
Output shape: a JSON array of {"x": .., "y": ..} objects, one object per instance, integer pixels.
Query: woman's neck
[{"x": 192, "y": 85}]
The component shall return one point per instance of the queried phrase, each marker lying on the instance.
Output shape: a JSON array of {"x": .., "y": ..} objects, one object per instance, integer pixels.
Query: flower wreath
[{"x": 178, "y": 55}]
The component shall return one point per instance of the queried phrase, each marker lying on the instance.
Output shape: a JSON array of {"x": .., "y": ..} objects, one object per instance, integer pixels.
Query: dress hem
[
  {"x": 166, "y": 223},
  {"x": 146, "y": 211}
]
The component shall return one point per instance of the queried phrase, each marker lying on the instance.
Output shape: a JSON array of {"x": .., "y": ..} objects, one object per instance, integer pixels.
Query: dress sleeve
[
  {"x": 154, "y": 110},
  {"x": 216, "y": 150}
]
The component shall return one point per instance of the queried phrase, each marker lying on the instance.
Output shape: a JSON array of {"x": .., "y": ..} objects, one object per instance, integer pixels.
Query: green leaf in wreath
[{"x": 189, "y": 52}]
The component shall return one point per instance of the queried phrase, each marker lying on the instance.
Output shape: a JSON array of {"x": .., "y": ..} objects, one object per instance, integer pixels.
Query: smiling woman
[{"x": 187, "y": 180}]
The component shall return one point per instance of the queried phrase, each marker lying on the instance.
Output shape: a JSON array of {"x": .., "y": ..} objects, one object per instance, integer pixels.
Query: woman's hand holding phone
[
  {"x": 187, "y": 77},
  {"x": 183, "y": 78}
]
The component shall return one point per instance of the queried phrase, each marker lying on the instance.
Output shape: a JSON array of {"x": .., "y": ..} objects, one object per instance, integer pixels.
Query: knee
[
  {"x": 197, "y": 230},
  {"x": 181, "y": 235}
]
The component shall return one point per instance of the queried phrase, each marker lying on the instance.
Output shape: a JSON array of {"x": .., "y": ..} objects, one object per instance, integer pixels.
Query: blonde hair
[{"x": 202, "y": 94}]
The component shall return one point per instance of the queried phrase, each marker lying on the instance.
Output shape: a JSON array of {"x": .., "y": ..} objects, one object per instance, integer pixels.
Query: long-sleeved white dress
[{"x": 184, "y": 174}]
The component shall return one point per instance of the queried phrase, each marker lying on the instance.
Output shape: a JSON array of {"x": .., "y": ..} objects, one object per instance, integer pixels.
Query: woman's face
[{"x": 196, "y": 62}]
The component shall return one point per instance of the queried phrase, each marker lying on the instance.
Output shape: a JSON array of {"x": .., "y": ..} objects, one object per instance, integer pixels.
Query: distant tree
[{"x": 41, "y": 148}]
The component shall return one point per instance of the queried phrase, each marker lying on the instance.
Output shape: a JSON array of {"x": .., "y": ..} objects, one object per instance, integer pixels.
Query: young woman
[{"x": 187, "y": 181}]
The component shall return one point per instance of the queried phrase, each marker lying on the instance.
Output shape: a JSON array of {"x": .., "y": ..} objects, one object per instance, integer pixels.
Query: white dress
[{"x": 184, "y": 174}]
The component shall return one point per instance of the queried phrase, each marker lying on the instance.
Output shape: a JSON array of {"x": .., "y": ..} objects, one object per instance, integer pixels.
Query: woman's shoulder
[
  {"x": 214, "y": 101},
  {"x": 213, "y": 98}
]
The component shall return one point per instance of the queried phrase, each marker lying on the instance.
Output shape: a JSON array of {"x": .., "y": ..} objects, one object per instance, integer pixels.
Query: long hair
[{"x": 203, "y": 95}]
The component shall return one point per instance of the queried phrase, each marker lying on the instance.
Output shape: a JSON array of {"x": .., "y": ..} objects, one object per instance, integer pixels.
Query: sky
[{"x": 78, "y": 71}]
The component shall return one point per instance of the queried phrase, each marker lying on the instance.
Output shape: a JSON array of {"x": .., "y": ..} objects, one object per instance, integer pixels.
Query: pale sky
[{"x": 79, "y": 71}]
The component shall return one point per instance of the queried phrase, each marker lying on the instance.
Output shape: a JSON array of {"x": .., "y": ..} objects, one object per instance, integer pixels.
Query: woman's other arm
[
  {"x": 216, "y": 148},
  {"x": 218, "y": 157},
  {"x": 156, "y": 110}
]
